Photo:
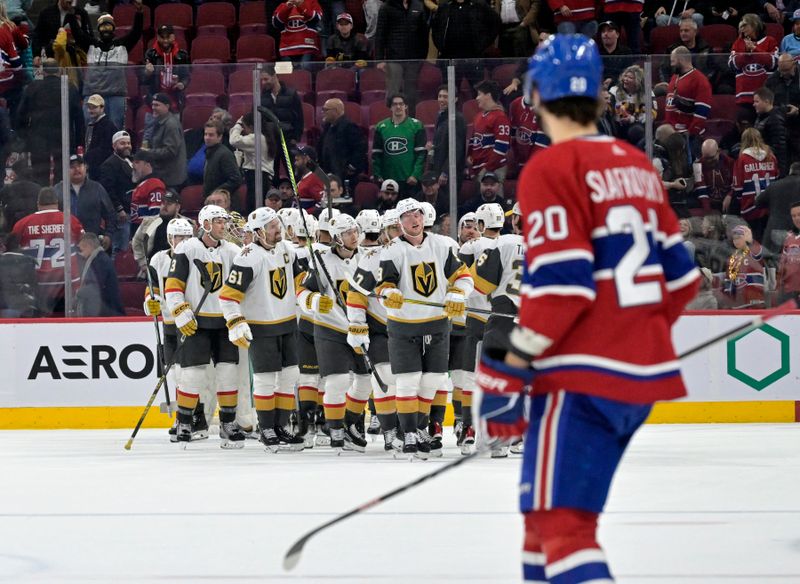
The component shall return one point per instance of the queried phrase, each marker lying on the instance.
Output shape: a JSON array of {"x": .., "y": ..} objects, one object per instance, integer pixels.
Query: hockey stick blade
[{"x": 292, "y": 557}]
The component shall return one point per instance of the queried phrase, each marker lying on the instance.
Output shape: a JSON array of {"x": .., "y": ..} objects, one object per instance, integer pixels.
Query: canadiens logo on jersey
[
  {"x": 396, "y": 146},
  {"x": 424, "y": 277},
  {"x": 214, "y": 271},
  {"x": 277, "y": 282}
]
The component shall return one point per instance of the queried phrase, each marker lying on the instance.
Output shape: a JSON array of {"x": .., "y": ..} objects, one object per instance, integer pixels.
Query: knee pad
[
  {"x": 430, "y": 382},
  {"x": 227, "y": 376},
  {"x": 385, "y": 371},
  {"x": 469, "y": 383},
  {"x": 193, "y": 379},
  {"x": 361, "y": 388},
  {"x": 457, "y": 377},
  {"x": 408, "y": 384},
  {"x": 288, "y": 378},
  {"x": 265, "y": 384},
  {"x": 336, "y": 387}
]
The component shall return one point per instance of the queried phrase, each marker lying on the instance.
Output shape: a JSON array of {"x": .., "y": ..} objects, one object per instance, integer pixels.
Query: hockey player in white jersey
[
  {"x": 344, "y": 399},
  {"x": 419, "y": 266},
  {"x": 178, "y": 230},
  {"x": 368, "y": 312},
  {"x": 310, "y": 390},
  {"x": 258, "y": 301},
  {"x": 390, "y": 222},
  {"x": 207, "y": 258},
  {"x": 497, "y": 273}
]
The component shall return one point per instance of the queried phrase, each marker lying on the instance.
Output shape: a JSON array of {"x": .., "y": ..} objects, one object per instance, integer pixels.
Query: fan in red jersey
[{"x": 41, "y": 236}]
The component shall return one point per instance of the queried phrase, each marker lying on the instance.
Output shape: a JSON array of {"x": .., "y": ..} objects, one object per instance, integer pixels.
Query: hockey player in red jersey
[{"x": 603, "y": 258}]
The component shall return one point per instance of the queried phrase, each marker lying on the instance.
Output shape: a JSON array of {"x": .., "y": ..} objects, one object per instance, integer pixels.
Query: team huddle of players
[{"x": 325, "y": 318}]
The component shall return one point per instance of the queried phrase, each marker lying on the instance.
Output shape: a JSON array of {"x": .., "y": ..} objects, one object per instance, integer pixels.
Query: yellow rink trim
[
  {"x": 722, "y": 412},
  {"x": 92, "y": 418}
]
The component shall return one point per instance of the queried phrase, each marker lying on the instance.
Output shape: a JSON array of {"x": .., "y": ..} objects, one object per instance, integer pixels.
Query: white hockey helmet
[
  {"x": 407, "y": 205},
  {"x": 325, "y": 219},
  {"x": 210, "y": 212},
  {"x": 341, "y": 224},
  {"x": 430, "y": 214},
  {"x": 180, "y": 226},
  {"x": 515, "y": 210},
  {"x": 303, "y": 224},
  {"x": 464, "y": 218},
  {"x": 390, "y": 217},
  {"x": 286, "y": 215},
  {"x": 492, "y": 216},
  {"x": 260, "y": 218},
  {"x": 369, "y": 221}
]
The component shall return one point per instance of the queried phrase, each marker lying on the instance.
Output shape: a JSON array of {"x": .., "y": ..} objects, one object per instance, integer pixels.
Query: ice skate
[
  {"x": 517, "y": 447},
  {"x": 199, "y": 424},
  {"x": 231, "y": 436},
  {"x": 389, "y": 437},
  {"x": 466, "y": 440},
  {"x": 374, "y": 426},
  {"x": 269, "y": 439},
  {"x": 289, "y": 440},
  {"x": 500, "y": 452},
  {"x": 336, "y": 439},
  {"x": 426, "y": 445},
  {"x": 354, "y": 440},
  {"x": 173, "y": 431},
  {"x": 183, "y": 433}
]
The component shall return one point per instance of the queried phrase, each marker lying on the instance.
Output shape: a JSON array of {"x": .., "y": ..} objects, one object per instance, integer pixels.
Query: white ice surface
[{"x": 691, "y": 504}]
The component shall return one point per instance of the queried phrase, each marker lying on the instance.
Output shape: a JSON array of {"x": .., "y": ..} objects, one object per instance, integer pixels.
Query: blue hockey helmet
[{"x": 565, "y": 65}]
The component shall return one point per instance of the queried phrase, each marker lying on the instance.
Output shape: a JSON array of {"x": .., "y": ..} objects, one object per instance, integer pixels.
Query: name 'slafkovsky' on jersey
[{"x": 629, "y": 182}]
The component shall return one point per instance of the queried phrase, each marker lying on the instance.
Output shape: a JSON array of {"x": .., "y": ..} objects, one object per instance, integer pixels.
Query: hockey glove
[
  {"x": 454, "y": 303},
  {"x": 503, "y": 405},
  {"x": 239, "y": 332},
  {"x": 152, "y": 306},
  {"x": 184, "y": 319},
  {"x": 319, "y": 303},
  {"x": 393, "y": 299},
  {"x": 358, "y": 337}
]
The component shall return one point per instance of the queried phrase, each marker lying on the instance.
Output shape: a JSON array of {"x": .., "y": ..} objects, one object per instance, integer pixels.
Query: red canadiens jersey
[
  {"x": 688, "y": 102},
  {"x": 580, "y": 10},
  {"x": 604, "y": 257},
  {"x": 752, "y": 173},
  {"x": 789, "y": 266},
  {"x": 310, "y": 190},
  {"x": 527, "y": 137},
  {"x": 752, "y": 68},
  {"x": 298, "y": 27},
  {"x": 146, "y": 199},
  {"x": 623, "y": 6},
  {"x": 488, "y": 146},
  {"x": 744, "y": 280},
  {"x": 41, "y": 236}
]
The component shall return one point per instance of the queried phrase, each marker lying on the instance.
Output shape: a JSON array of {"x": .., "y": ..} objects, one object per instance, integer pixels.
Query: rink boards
[{"x": 99, "y": 373}]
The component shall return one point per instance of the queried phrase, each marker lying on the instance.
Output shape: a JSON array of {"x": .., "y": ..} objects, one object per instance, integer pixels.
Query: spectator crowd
[{"x": 160, "y": 120}]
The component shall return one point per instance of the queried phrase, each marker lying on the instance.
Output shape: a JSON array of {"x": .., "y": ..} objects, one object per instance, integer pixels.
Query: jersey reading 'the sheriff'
[
  {"x": 421, "y": 272},
  {"x": 261, "y": 287},
  {"x": 498, "y": 273},
  {"x": 185, "y": 279},
  {"x": 606, "y": 273}
]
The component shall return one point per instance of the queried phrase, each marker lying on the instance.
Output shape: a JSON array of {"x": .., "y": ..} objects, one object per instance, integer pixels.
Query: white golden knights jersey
[
  {"x": 424, "y": 272},
  {"x": 184, "y": 281},
  {"x": 497, "y": 273},
  {"x": 261, "y": 286},
  {"x": 159, "y": 269},
  {"x": 305, "y": 321},
  {"x": 368, "y": 266},
  {"x": 469, "y": 254},
  {"x": 335, "y": 323}
]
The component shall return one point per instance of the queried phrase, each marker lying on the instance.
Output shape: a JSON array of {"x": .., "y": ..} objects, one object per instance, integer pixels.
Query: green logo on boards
[{"x": 767, "y": 336}]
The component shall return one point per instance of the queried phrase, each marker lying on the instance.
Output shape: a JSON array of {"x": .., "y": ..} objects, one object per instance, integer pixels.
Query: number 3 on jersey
[{"x": 627, "y": 220}]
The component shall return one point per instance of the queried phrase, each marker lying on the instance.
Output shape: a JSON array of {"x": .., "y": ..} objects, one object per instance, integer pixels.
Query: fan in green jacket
[{"x": 398, "y": 148}]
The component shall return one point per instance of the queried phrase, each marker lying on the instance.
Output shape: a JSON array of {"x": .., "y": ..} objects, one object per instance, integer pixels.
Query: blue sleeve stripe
[{"x": 565, "y": 273}]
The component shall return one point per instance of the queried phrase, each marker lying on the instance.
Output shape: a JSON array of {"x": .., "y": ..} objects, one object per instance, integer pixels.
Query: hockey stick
[
  {"x": 316, "y": 260},
  {"x": 292, "y": 557},
  {"x": 369, "y": 294},
  {"x": 207, "y": 284},
  {"x": 159, "y": 344}
]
